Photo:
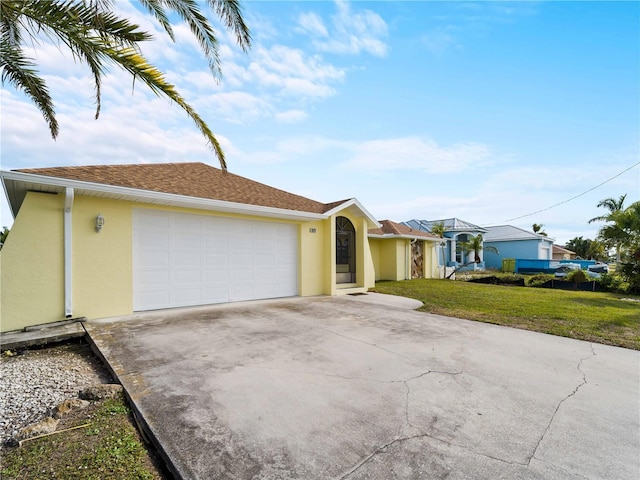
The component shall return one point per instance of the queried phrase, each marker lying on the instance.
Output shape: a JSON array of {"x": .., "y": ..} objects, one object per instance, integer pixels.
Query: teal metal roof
[{"x": 450, "y": 225}]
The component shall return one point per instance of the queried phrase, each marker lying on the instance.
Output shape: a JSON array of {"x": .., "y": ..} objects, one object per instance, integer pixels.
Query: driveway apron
[{"x": 361, "y": 387}]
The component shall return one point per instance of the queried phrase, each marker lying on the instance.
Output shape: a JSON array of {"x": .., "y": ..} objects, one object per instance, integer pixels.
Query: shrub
[
  {"x": 539, "y": 279},
  {"x": 612, "y": 282},
  {"x": 577, "y": 276}
]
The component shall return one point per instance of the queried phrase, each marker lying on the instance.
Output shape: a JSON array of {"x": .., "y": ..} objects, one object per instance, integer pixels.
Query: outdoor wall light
[{"x": 99, "y": 222}]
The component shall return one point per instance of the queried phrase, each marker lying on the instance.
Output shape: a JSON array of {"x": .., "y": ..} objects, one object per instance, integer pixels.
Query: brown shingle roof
[
  {"x": 392, "y": 228},
  {"x": 190, "y": 179},
  {"x": 559, "y": 249}
]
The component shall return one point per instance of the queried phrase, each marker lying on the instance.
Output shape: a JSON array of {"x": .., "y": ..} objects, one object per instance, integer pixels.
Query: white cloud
[
  {"x": 413, "y": 153},
  {"x": 351, "y": 32},
  {"x": 312, "y": 23},
  {"x": 122, "y": 134},
  {"x": 291, "y": 73},
  {"x": 237, "y": 107},
  {"x": 439, "y": 41},
  {"x": 291, "y": 116}
]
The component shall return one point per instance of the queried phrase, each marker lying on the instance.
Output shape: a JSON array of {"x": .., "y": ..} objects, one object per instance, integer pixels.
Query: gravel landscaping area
[{"x": 35, "y": 381}]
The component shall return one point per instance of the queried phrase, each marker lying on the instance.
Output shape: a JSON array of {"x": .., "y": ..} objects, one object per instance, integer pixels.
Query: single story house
[
  {"x": 401, "y": 253},
  {"x": 110, "y": 240},
  {"x": 561, "y": 253},
  {"x": 456, "y": 231},
  {"x": 514, "y": 242}
]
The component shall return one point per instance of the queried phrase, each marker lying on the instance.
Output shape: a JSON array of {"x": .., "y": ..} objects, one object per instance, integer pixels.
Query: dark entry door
[{"x": 345, "y": 251}]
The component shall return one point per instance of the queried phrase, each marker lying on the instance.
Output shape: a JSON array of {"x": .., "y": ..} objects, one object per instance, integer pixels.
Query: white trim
[
  {"x": 353, "y": 202},
  {"x": 68, "y": 253},
  {"x": 147, "y": 196}
]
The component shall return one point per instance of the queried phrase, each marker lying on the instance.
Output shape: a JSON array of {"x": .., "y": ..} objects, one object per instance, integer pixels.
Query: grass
[
  {"x": 108, "y": 448},
  {"x": 593, "y": 316}
]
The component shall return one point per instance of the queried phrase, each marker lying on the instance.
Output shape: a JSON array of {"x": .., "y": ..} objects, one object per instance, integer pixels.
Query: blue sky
[{"x": 485, "y": 111}]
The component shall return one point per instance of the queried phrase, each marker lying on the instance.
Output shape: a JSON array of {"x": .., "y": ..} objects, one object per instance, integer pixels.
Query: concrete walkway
[{"x": 355, "y": 388}]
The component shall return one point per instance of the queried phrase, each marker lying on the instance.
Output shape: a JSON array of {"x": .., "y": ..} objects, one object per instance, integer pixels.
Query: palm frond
[
  {"x": 155, "y": 8},
  {"x": 133, "y": 62},
  {"x": 17, "y": 70},
  {"x": 231, "y": 14},
  {"x": 201, "y": 28}
]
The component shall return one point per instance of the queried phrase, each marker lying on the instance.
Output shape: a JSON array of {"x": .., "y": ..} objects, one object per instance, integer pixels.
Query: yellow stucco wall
[
  {"x": 32, "y": 260},
  {"x": 389, "y": 258},
  {"x": 430, "y": 259},
  {"x": 102, "y": 262},
  {"x": 313, "y": 271},
  {"x": 31, "y": 278}
]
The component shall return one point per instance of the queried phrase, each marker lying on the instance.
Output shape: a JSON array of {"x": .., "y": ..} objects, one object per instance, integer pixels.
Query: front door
[{"x": 345, "y": 251}]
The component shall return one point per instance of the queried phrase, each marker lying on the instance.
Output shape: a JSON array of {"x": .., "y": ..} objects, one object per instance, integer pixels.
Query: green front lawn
[{"x": 592, "y": 316}]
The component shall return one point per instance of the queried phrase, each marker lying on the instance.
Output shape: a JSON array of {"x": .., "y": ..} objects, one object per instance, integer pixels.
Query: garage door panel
[
  {"x": 183, "y": 259},
  {"x": 187, "y": 257},
  {"x": 154, "y": 278}
]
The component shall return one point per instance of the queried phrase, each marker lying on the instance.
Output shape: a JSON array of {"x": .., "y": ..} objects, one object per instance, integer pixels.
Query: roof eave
[
  {"x": 353, "y": 203},
  {"x": 56, "y": 184}
]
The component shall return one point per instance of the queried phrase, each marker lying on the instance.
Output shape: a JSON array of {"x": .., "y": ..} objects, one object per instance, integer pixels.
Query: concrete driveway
[{"x": 361, "y": 387}]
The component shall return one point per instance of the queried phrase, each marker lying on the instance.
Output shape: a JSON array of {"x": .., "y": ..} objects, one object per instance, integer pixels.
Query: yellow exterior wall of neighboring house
[
  {"x": 430, "y": 259},
  {"x": 392, "y": 258},
  {"x": 389, "y": 258},
  {"x": 31, "y": 278}
]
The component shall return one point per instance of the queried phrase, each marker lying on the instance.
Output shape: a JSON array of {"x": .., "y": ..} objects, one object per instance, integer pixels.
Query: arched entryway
[{"x": 345, "y": 251}]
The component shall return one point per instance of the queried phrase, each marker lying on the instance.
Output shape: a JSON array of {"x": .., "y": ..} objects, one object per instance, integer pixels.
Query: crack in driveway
[
  {"x": 574, "y": 392},
  {"x": 375, "y": 345},
  {"x": 384, "y": 447}
]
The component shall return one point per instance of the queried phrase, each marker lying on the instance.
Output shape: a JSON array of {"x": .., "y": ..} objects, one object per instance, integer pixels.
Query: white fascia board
[
  {"x": 161, "y": 198},
  {"x": 353, "y": 202},
  {"x": 6, "y": 195}
]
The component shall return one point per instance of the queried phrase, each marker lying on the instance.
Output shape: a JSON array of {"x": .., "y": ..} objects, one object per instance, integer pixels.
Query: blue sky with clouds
[{"x": 485, "y": 111}]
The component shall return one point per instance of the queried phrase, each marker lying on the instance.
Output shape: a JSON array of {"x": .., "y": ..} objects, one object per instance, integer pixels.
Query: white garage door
[{"x": 181, "y": 260}]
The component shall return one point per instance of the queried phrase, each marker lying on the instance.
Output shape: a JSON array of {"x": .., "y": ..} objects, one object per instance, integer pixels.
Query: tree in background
[
  {"x": 580, "y": 246},
  {"x": 598, "y": 251},
  {"x": 623, "y": 230},
  {"x": 438, "y": 229},
  {"x": 614, "y": 207},
  {"x": 3, "y": 236},
  {"x": 97, "y": 36},
  {"x": 537, "y": 228}
]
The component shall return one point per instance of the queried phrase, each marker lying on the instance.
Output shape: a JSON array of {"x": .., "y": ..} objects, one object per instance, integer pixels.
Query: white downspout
[{"x": 68, "y": 284}]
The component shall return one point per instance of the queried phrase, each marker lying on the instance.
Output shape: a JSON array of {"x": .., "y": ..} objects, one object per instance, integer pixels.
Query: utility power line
[{"x": 573, "y": 198}]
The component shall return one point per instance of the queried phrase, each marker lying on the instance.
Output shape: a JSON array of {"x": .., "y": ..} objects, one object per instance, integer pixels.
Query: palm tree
[
  {"x": 97, "y": 36},
  {"x": 438, "y": 229},
  {"x": 623, "y": 228},
  {"x": 610, "y": 204},
  {"x": 613, "y": 237},
  {"x": 476, "y": 245},
  {"x": 537, "y": 228}
]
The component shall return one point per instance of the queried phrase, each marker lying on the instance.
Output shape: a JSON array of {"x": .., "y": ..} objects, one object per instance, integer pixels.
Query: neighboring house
[
  {"x": 456, "y": 231},
  {"x": 400, "y": 252},
  {"x": 514, "y": 242},
  {"x": 110, "y": 240},
  {"x": 560, "y": 253}
]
